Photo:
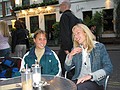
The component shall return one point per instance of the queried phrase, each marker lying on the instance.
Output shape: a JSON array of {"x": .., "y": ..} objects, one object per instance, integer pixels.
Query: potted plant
[
  {"x": 97, "y": 20},
  {"x": 56, "y": 30}
]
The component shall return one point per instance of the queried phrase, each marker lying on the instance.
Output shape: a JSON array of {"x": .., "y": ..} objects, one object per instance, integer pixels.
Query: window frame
[{"x": 7, "y": 8}]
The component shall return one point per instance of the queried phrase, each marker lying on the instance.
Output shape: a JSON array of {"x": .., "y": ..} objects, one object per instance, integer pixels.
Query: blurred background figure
[
  {"x": 19, "y": 36},
  {"x": 4, "y": 39},
  {"x": 27, "y": 33},
  {"x": 93, "y": 30},
  {"x": 67, "y": 21}
]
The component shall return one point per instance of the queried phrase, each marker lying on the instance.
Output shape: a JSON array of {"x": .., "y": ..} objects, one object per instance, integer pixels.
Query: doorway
[{"x": 49, "y": 21}]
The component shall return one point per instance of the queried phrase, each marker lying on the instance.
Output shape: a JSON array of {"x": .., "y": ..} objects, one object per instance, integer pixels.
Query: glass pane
[
  {"x": 108, "y": 20},
  {"x": 50, "y": 19},
  {"x": 87, "y": 14},
  {"x": 0, "y": 9},
  {"x": 7, "y": 9},
  {"x": 47, "y": 0},
  {"x": 5, "y": 0},
  {"x": 34, "y": 23},
  {"x": 25, "y": 2},
  {"x": 22, "y": 19}
]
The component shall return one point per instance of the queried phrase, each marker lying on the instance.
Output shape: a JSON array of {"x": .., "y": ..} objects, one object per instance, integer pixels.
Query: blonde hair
[
  {"x": 4, "y": 29},
  {"x": 89, "y": 37}
]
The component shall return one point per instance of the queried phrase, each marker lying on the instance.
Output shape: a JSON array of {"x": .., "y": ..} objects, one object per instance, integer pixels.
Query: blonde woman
[
  {"x": 4, "y": 38},
  {"x": 90, "y": 58}
]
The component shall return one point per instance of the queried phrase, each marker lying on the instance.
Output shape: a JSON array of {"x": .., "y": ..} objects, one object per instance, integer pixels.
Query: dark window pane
[
  {"x": 86, "y": 14},
  {"x": 49, "y": 21},
  {"x": 25, "y": 2},
  {"x": 34, "y": 23},
  {"x": 108, "y": 20},
  {"x": 48, "y": 0},
  {"x": 22, "y": 19}
]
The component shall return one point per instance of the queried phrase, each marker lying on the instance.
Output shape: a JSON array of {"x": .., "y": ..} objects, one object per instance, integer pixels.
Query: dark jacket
[
  {"x": 18, "y": 37},
  {"x": 67, "y": 21}
]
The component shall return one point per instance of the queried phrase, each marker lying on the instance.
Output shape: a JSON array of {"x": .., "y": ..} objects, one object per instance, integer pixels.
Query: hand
[
  {"x": 75, "y": 51},
  {"x": 66, "y": 51},
  {"x": 83, "y": 79}
]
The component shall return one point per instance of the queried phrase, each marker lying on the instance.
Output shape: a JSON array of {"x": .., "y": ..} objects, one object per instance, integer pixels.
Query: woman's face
[
  {"x": 40, "y": 41},
  {"x": 79, "y": 35}
]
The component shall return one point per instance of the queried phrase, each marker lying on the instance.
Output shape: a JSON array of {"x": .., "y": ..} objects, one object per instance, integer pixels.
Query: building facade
[
  {"x": 6, "y": 12},
  {"x": 36, "y": 14}
]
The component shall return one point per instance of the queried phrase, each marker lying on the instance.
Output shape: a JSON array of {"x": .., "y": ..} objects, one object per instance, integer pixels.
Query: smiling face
[
  {"x": 40, "y": 40},
  {"x": 79, "y": 35}
]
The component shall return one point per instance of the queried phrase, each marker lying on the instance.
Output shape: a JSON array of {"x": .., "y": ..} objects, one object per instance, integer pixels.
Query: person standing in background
[
  {"x": 67, "y": 21},
  {"x": 19, "y": 44},
  {"x": 27, "y": 33},
  {"x": 4, "y": 39}
]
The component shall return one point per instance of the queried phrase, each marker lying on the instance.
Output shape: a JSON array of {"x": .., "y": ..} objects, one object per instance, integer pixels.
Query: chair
[
  {"x": 106, "y": 80},
  {"x": 66, "y": 72},
  {"x": 8, "y": 65}
]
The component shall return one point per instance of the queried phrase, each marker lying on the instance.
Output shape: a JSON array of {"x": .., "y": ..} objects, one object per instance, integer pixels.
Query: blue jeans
[{"x": 5, "y": 52}]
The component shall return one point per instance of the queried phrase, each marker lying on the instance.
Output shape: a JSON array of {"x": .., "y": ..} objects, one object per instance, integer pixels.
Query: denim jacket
[{"x": 101, "y": 65}]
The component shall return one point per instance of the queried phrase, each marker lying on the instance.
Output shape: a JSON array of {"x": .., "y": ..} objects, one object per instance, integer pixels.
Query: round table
[{"x": 55, "y": 83}]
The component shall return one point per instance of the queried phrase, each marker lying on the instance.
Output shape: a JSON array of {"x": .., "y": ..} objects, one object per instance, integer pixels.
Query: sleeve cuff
[{"x": 68, "y": 62}]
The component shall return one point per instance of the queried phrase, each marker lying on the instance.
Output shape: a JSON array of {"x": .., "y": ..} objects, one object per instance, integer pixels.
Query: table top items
[
  {"x": 26, "y": 79},
  {"x": 36, "y": 75},
  {"x": 31, "y": 79}
]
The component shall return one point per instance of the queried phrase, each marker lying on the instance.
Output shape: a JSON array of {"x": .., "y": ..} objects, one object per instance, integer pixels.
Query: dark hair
[
  {"x": 39, "y": 31},
  {"x": 18, "y": 24}
]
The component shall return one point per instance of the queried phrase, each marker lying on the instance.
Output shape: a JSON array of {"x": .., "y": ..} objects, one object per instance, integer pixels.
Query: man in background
[{"x": 67, "y": 21}]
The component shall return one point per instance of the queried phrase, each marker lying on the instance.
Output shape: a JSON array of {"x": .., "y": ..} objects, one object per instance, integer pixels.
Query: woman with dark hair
[
  {"x": 41, "y": 53},
  {"x": 19, "y": 44}
]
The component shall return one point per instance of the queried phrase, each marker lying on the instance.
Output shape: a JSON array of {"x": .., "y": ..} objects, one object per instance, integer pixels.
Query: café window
[
  {"x": 25, "y": 2},
  {"x": 50, "y": 19},
  {"x": 1, "y": 14},
  {"x": 22, "y": 19},
  {"x": 87, "y": 14},
  {"x": 108, "y": 20},
  {"x": 7, "y": 8},
  {"x": 48, "y": 0},
  {"x": 34, "y": 23}
]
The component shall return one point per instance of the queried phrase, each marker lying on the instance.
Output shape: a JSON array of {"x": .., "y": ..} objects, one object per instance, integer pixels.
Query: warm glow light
[
  {"x": 24, "y": 12},
  {"x": 39, "y": 8},
  {"x": 13, "y": 23},
  {"x": 34, "y": 0},
  {"x": 17, "y": 2},
  {"x": 48, "y": 8},
  {"x": 31, "y": 10},
  {"x": 108, "y": 4}
]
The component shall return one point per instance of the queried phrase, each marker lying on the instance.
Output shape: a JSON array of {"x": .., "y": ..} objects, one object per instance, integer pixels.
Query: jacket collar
[{"x": 47, "y": 51}]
